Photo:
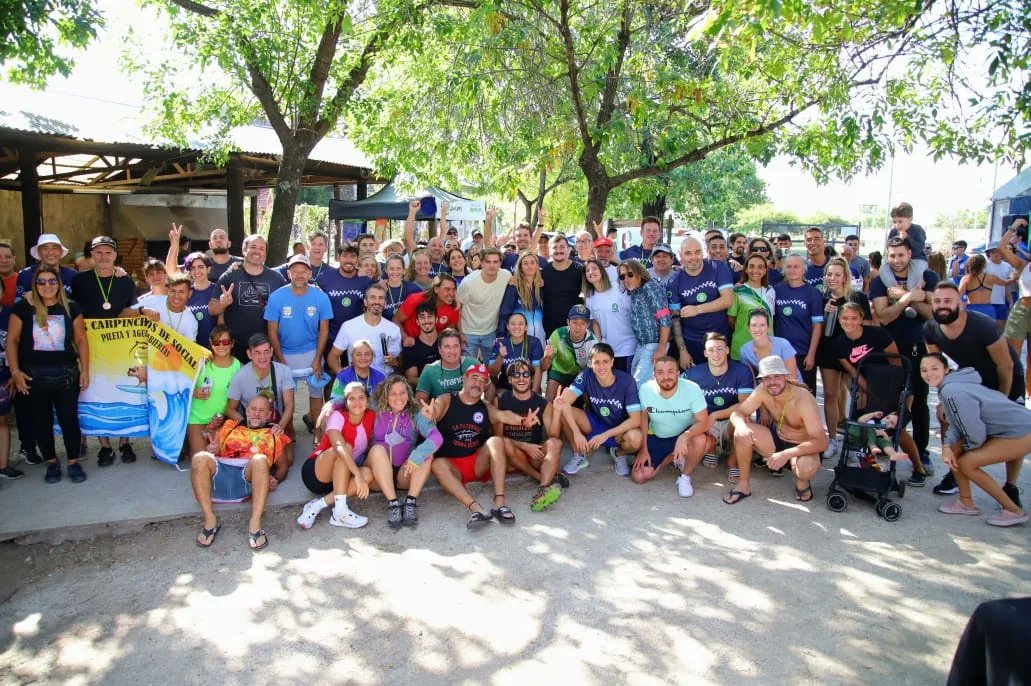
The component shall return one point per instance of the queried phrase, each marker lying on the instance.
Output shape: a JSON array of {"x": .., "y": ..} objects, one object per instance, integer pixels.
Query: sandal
[
  {"x": 254, "y": 536},
  {"x": 733, "y": 475},
  {"x": 477, "y": 519},
  {"x": 800, "y": 493},
  {"x": 208, "y": 534},
  {"x": 734, "y": 497},
  {"x": 504, "y": 513}
]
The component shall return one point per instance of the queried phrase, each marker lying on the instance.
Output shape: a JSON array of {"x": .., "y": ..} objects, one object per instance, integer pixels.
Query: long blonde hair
[
  {"x": 529, "y": 291},
  {"x": 846, "y": 280},
  {"x": 37, "y": 299}
]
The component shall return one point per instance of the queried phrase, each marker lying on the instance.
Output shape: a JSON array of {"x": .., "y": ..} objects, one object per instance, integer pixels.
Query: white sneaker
[
  {"x": 622, "y": 468},
  {"x": 832, "y": 448},
  {"x": 310, "y": 512},
  {"x": 684, "y": 487},
  {"x": 348, "y": 519},
  {"x": 577, "y": 464}
]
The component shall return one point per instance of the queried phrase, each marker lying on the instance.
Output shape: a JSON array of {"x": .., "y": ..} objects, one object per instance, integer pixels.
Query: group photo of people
[{"x": 458, "y": 360}]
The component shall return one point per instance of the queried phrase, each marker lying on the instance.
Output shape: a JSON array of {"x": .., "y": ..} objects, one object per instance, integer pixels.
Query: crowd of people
[{"x": 467, "y": 360}]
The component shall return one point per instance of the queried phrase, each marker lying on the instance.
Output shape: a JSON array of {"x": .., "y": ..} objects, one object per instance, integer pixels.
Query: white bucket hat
[{"x": 45, "y": 239}]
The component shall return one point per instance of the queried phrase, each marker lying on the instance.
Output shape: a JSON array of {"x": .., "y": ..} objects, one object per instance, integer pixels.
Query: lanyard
[{"x": 106, "y": 295}]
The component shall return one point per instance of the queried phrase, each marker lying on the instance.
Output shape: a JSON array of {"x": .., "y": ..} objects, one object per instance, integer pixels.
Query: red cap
[
  {"x": 478, "y": 368},
  {"x": 603, "y": 242}
]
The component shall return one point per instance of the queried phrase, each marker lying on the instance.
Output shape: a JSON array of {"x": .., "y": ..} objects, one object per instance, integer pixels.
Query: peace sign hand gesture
[
  {"x": 227, "y": 295},
  {"x": 426, "y": 410}
]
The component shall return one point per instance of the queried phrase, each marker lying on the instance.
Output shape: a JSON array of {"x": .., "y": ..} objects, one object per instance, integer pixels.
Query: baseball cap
[
  {"x": 103, "y": 240},
  {"x": 771, "y": 365},
  {"x": 451, "y": 231},
  {"x": 662, "y": 247},
  {"x": 579, "y": 312},
  {"x": 477, "y": 232},
  {"x": 298, "y": 259},
  {"x": 479, "y": 368},
  {"x": 603, "y": 242}
]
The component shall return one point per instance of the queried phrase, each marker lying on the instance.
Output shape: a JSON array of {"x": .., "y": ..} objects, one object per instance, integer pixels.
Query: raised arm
[{"x": 409, "y": 232}]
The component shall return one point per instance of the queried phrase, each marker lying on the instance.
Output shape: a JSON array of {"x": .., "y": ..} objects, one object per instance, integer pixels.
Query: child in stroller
[{"x": 874, "y": 438}]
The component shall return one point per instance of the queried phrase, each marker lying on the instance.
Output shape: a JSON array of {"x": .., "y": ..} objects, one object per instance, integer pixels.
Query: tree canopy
[{"x": 38, "y": 37}]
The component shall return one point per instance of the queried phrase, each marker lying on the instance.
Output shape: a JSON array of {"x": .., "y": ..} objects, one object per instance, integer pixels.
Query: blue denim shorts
[{"x": 228, "y": 485}]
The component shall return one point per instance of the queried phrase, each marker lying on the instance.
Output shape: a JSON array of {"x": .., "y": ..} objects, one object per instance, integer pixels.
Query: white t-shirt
[
  {"x": 1002, "y": 270},
  {"x": 358, "y": 329},
  {"x": 481, "y": 302},
  {"x": 611, "y": 310},
  {"x": 183, "y": 322}
]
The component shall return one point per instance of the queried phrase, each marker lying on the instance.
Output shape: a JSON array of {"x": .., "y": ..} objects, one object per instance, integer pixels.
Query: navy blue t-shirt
[
  {"x": 396, "y": 295},
  {"x": 722, "y": 391},
  {"x": 346, "y": 295},
  {"x": 23, "y": 284},
  {"x": 814, "y": 274},
  {"x": 509, "y": 261},
  {"x": 636, "y": 252},
  {"x": 798, "y": 309},
  {"x": 703, "y": 288},
  {"x": 904, "y": 329},
  {"x": 610, "y": 405}
]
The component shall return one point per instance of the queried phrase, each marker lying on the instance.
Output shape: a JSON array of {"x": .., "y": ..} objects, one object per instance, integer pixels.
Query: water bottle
[
  {"x": 383, "y": 344},
  {"x": 830, "y": 321}
]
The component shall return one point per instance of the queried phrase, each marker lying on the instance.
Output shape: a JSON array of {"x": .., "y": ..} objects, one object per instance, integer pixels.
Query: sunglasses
[
  {"x": 223, "y": 341},
  {"x": 760, "y": 250},
  {"x": 627, "y": 275},
  {"x": 46, "y": 282},
  {"x": 519, "y": 375}
]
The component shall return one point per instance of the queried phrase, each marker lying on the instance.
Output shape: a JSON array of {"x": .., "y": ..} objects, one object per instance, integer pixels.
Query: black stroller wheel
[
  {"x": 879, "y": 508},
  {"x": 836, "y": 501},
  {"x": 892, "y": 512}
]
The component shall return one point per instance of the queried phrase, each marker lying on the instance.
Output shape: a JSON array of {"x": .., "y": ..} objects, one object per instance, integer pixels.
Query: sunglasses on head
[{"x": 519, "y": 375}]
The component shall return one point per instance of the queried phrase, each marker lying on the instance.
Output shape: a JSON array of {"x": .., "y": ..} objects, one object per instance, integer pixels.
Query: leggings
[{"x": 66, "y": 402}]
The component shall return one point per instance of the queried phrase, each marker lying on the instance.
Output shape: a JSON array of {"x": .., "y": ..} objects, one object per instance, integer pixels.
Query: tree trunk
[
  {"x": 597, "y": 199},
  {"x": 288, "y": 186}
]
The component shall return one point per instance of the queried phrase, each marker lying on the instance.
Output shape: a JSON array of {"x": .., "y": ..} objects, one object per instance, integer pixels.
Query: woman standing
[
  {"x": 754, "y": 293},
  {"x": 368, "y": 266},
  {"x": 799, "y": 317},
  {"x": 610, "y": 314},
  {"x": 456, "y": 263},
  {"x": 523, "y": 295},
  {"x": 198, "y": 265},
  {"x": 762, "y": 344},
  {"x": 419, "y": 269},
  {"x": 763, "y": 247},
  {"x": 397, "y": 288},
  {"x": 211, "y": 392},
  {"x": 49, "y": 360},
  {"x": 985, "y": 427},
  {"x": 650, "y": 318},
  {"x": 837, "y": 282},
  {"x": 977, "y": 286}
]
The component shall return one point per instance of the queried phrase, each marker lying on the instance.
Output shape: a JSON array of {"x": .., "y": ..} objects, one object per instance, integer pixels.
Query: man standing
[
  {"x": 318, "y": 245},
  {"x": 298, "y": 327},
  {"x": 221, "y": 260},
  {"x": 958, "y": 261},
  {"x": 524, "y": 240},
  {"x": 242, "y": 294},
  {"x": 783, "y": 241},
  {"x": 816, "y": 249},
  {"x": 901, "y": 299},
  {"x": 584, "y": 244},
  {"x": 563, "y": 281},
  {"x": 971, "y": 339},
  {"x": 445, "y": 375},
  {"x": 604, "y": 252},
  {"x": 172, "y": 306},
  {"x": 796, "y": 435},
  {"x": 702, "y": 294},
  {"x": 424, "y": 350},
  {"x": 856, "y": 262},
  {"x": 529, "y": 449},
  {"x": 102, "y": 294},
  {"x": 481, "y": 293},
  {"x": 1001, "y": 295},
  {"x": 651, "y": 231},
  {"x": 345, "y": 288},
  {"x": 8, "y": 276},
  {"x": 238, "y": 465},
  {"x": 263, "y": 376},
  {"x": 674, "y": 419},
  {"x": 738, "y": 246},
  {"x": 662, "y": 269},
  {"x": 384, "y": 335}
]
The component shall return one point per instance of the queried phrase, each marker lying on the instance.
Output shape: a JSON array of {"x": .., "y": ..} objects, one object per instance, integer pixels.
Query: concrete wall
[{"x": 75, "y": 218}]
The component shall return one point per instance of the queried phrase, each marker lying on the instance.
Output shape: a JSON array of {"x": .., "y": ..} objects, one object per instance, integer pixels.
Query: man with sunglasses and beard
[
  {"x": 526, "y": 448},
  {"x": 971, "y": 339}
]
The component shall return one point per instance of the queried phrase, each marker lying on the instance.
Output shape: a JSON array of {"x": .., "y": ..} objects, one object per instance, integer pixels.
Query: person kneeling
[
  {"x": 238, "y": 465},
  {"x": 525, "y": 447},
  {"x": 675, "y": 422}
]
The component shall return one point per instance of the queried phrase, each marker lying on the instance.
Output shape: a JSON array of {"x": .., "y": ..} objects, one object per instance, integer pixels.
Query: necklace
[
  {"x": 174, "y": 324},
  {"x": 106, "y": 295}
]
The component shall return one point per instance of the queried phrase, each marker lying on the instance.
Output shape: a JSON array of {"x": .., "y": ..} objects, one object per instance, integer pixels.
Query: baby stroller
[{"x": 880, "y": 385}]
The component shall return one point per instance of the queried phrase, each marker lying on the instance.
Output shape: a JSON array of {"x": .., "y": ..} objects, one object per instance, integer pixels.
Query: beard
[
  {"x": 220, "y": 251},
  {"x": 942, "y": 318}
]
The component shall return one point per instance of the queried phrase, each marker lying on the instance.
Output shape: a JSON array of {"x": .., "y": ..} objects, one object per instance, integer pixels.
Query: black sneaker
[
  {"x": 30, "y": 456},
  {"x": 127, "y": 453},
  {"x": 11, "y": 473},
  {"x": 947, "y": 486},
  {"x": 76, "y": 474},
  {"x": 106, "y": 457},
  {"x": 1013, "y": 492},
  {"x": 917, "y": 480},
  {"x": 410, "y": 512},
  {"x": 394, "y": 514},
  {"x": 925, "y": 460},
  {"x": 53, "y": 474}
]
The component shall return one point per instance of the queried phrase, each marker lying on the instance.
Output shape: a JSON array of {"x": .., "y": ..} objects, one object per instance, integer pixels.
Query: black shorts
[{"x": 311, "y": 482}]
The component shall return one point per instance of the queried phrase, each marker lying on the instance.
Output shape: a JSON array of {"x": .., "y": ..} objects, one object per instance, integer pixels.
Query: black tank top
[{"x": 465, "y": 428}]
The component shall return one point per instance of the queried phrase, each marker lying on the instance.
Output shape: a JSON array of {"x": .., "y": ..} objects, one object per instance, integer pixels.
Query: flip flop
[
  {"x": 504, "y": 514},
  {"x": 801, "y": 492},
  {"x": 208, "y": 533},
  {"x": 478, "y": 519},
  {"x": 253, "y": 539},
  {"x": 737, "y": 496}
]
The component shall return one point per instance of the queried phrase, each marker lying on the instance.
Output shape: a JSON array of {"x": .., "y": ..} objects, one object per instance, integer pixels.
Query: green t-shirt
[
  {"x": 570, "y": 357},
  {"x": 201, "y": 411},
  {"x": 746, "y": 299},
  {"x": 436, "y": 381}
]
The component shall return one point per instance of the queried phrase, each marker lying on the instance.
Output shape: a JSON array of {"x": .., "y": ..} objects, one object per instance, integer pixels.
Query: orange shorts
[{"x": 467, "y": 468}]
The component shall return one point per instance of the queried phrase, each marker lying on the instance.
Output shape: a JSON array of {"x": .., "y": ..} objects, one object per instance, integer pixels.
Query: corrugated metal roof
[{"x": 105, "y": 121}]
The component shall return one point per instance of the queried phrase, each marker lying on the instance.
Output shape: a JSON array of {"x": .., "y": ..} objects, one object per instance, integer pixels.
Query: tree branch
[
  {"x": 608, "y": 98},
  {"x": 196, "y": 7}
]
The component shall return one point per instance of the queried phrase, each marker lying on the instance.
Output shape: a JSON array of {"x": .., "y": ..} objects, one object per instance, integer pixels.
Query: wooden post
[
  {"x": 254, "y": 214},
  {"x": 31, "y": 201},
  {"x": 234, "y": 201},
  {"x": 338, "y": 225}
]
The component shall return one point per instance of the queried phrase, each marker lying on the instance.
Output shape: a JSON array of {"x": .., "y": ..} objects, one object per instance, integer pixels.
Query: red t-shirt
[
  {"x": 358, "y": 436},
  {"x": 10, "y": 283},
  {"x": 447, "y": 315}
]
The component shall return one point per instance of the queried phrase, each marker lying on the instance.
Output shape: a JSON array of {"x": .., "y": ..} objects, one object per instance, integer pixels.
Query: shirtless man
[{"x": 796, "y": 434}]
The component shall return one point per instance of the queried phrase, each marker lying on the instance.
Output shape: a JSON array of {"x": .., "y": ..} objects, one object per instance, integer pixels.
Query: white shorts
[{"x": 303, "y": 361}]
